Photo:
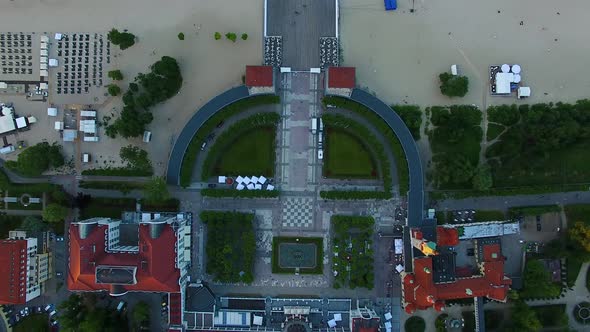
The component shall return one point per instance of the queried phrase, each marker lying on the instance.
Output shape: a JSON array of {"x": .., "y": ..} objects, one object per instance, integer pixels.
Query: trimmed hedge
[
  {"x": 194, "y": 147},
  {"x": 533, "y": 210},
  {"x": 318, "y": 241},
  {"x": 239, "y": 193},
  {"x": 122, "y": 186},
  {"x": 339, "y": 121},
  {"x": 403, "y": 172},
  {"x": 231, "y": 134},
  {"x": 170, "y": 205},
  {"x": 117, "y": 171}
]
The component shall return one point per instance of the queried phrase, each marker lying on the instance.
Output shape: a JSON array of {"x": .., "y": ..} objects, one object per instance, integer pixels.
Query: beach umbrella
[
  {"x": 505, "y": 68},
  {"x": 516, "y": 78},
  {"x": 516, "y": 69}
]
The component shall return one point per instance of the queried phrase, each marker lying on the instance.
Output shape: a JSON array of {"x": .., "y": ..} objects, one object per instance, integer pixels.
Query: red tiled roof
[
  {"x": 259, "y": 76},
  {"x": 158, "y": 272},
  {"x": 492, "y": 252},
  {"x": 447, "y": 236},
  {"x": 341, "y": 77},
  {"x": 12, "y": 269}
]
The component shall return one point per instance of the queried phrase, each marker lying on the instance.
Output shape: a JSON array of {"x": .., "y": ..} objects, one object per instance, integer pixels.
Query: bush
[
  {"x": 244, "y": 36},
  {"x": 217, "y": 35},
  {"x": 352, "y": 240},
  {"x": 194, "y": 146},
  {"x": 231, "y": 36},
  {"x": 113, "y": 89},
  {"x": 412, "y": 116},
  {"x": 123, "y": 39},
  {"x": 36, "y": 159},
  {"x": 181, "y": 36},
  {"x": 453, "y": 86},
  {"x": 122, "y": 186},
  {"x": 533, "y": 210},
  {"x": 379, "y": 124},
  {"x": 115, "y": 75},
  {"x": 137, "y": 160},
  {"x": 415, "y": 324}
]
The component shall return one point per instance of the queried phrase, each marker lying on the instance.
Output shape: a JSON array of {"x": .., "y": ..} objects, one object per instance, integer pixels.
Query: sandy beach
[
  {"x": 399, "y": 54},
  {"x": 208, "y": 66}
]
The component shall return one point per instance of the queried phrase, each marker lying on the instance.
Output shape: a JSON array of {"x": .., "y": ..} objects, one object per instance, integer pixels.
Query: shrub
[
  {"x": 231, "y": 36},
  {"x": 115, "y": 75},
  {"x": 36, "y": 159},
  {"x": 453, "y": 86},
  {"x": 181, "y": 36},
  {"x": 217, "y": 36},
  {"x": 244, "y": 36},
  {"x": 123, "y": 39},
  {"x": 415, "y": 324},
  {"x": 114, "y": 90}
]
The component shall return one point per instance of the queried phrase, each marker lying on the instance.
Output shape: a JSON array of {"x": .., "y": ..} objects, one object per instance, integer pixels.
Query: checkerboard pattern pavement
[{"x": 298, "y": 212}]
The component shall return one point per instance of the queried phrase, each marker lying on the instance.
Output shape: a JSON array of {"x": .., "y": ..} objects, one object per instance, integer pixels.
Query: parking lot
[{"x": 545, "y": 230}]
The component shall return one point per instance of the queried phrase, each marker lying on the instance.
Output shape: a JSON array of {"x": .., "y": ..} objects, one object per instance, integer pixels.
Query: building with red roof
[
  {"x": 144, "y": 256},
  {"x": 434, "y": 277},
  {"x": 24, "y": 267},
  {"x": 340, "y": 81},
  {"x": 260, "y": 79}
]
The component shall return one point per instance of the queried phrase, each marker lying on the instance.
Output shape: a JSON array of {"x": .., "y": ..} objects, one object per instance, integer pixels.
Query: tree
[
  {"x": 55, "y": 213},
  {"x": 133, "y": 87},
  {"x": 135, "y": 158},
  {"x": 452, "y": 169},
  {"x": 581, "y": 234},
  {"x": 33, "y": 224},
  {"x": 141, "y": 314},
  {"x": 123, "y": 39},
  {"x": 537, "y": 281},
  {"x": 36, "y": 159},
  {"x": 412, "y": 116},
  {"x": 113, "y": 89},
  {"x": 181, "y": 36},
  {"x": 453, "y": 86},
  {"x": 156, "y": 190},
  {"x": 524, "y": 318},
  {"x": 231, "y": 36},
  {"x": 415, "y": 324},
  {"x": 244, "y": 36},
  {"x": 482, "y": 179},
  {"x": 217, "y": 35},
  {"x": 115, "y": 75}
]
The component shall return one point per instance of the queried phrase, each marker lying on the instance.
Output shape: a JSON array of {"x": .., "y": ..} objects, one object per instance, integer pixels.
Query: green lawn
[
  {"x": 250, "y": 153},
  {"x": 569, "y": 165},
  {"x": 551, "y": 315},
  {"x": 494, "y": 130},
  {"x": 574, "y": 264},
  {"x": 107, "y": 207},
  {"x": 33, "y": 323},
  {"x": 347, "y": 157},
  {"x": 577, "y": 212}
]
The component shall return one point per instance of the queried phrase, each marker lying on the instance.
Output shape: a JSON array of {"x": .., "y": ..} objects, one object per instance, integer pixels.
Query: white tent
[
  {"x": 332, "y": 323},
  {"x": 240, "y": 187},
  {"x": 43, "y": 66},
  {"x": 257, "y": 320},
  {"x": 59, "y": 125},
  {"x": 21, "y": 122},
  {"x": 398, "y": 245},
  {"x": 43, "y": 85},
  {"x": 505, "y": 68},
  {"x": 524, "y": 91},
  {"x": 454, "y": 71},
  {"x": 503, "y": 81},
  {"x": 88, "y": 114},
  {"x": 517, "y": 78},
  {"x": 516, "y": 69},
  {"x": 258, "y": 186},
  {"x": 53, "y": 63},
  {"x": 43, "y": 59},
  {"x": 246, "y": 180},
  {"x": 52, "y": 111},
  {"x": 221, "y": 179},
  {"x": 399, "y": 268},
  {"x": 388, "y": 316},
  {"x": 43, "y": 46},
  {"x": 262, "y": 179},
  {"x": 43, "y": 73},
  {"x": 44, "y": 39},
  {"x": 338, "y": 317},
  {"x": 6, "y": 124},
  {"x": 270, "y": 187},
  {"x": 254, "y": 179},
  {"x": 58, "y": 36},
  {"x": 250, "y": 186},
  {"x": 239, "y": 179},
  {"x": 44, "y": 52}
]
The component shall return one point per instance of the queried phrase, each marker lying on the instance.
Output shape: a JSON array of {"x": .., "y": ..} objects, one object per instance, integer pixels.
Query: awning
[
  {"x": 21, "y": 122},
  {"x": 52, "y": 111},
  {"x": 332, "y": 323},
  {"x": 221, "y": 179},
  {"x": 58, "y": 36}
]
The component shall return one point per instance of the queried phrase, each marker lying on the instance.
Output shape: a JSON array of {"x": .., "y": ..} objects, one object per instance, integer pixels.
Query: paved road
[{"x": 504, "y": 202}]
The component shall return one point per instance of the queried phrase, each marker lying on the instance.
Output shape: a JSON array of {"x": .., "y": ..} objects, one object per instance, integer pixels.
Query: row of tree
[
  {"x": 161, "y": 83},
  {"x": 354, "y": 247},
  {"x": 231, "y": 245},
  {"x": 412, "y": 116},
  {"x": 403, "y": 173},
  {"x": 190, "y": 156}
]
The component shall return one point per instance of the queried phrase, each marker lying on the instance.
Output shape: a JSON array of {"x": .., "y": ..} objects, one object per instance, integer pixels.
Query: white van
[
  {"x": 121, "y": 306},
  {"x": 7, "y": 149}
]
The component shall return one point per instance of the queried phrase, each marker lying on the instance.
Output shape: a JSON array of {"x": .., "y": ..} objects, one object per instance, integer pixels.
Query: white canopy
[
  {"x": 387, "y": 325},
  {"x": 52, "y": 111},
  {"x": 524, "y": 91},
  {"x": 399, "y": 268},
  {"x": 338, "y": 317},
  {"x": 6, "y": 124},
  {"x": 454, "y": 70},
  {"x": 257, "y": 320},
  {"x": 246, "y": 180},
  {"x": 240, "y": 187},
  {"x": 221, "y": 179},
  {"x": 21, "y": 122},
  {"x": 44, "y": 53},
  {"x": 43, "y": 86},
  {"x": 53, "y": 63},
  {"x": 43, "y": 66},
  {"x": 503, "y": 81},
  {"x": 59, "y": 125},
  {"x": 88, "y": 114},
  {"x": 516, "y": 69},
  {"x": 262, "y": 179},
  {"x": 388, "y": 316},
  {"x": 398, "y": 245},
  {"x": 43, "y": 46},
  {"x": 505, "y": 68},
  {"x": 270, "y": 187},
  {"x": 44, "y": 39},
  {"x": 254, "y": 179},
  {"x": 43, "y": 59},
  {"x": 332, "y": 323},
  {"x": 239, "y": 179},
  {"x": 58, "y": 36},
  {"x": 516, "y": 78},
  {"x": 250, "y": 186},
  {"x": 258, "y": 186}
]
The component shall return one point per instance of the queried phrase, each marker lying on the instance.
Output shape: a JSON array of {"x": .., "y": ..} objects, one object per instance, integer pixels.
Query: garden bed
[{"x": 353, "y": 251}]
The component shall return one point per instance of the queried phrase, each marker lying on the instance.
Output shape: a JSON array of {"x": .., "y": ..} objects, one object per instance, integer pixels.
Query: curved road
[
  {"x": 201, "y": 116},
  {"x": 395, "y": 122}
]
